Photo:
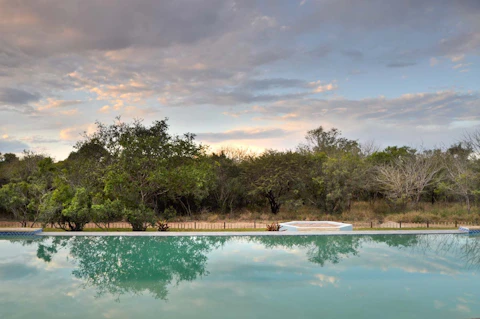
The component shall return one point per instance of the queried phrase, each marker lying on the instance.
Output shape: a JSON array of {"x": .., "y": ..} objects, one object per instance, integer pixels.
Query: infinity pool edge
[{"x": 257, "y": 233}]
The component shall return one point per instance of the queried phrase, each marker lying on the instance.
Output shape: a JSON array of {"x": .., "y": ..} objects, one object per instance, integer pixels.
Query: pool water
[{"x": 380, "y": 276}]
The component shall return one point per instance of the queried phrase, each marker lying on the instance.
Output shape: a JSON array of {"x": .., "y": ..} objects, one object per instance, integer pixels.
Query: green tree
[
  {"x": 140, "y": 217},
  {"x": 108, "y": 211},
  {"x": 67, "y": 207},
  {"x": 391, "y": 154},
  {"x": 276, "y": 176},
  {"x": 14, "y": 197},
  {"x": 329, "y": 142},
  {"x": 149, "y": 167},
  {"x": 341, "y": 178},
  {"x": 228, "y": 190},
  {"x": 86, "y": 166},
  {"x": 78, "y": 212},
  {"x": 462, "y": 178},
  {"x": 336, "y": 171}
]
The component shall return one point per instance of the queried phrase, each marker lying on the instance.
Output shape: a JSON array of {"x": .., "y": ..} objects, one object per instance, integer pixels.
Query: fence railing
[{"x": 201, "y": 225}]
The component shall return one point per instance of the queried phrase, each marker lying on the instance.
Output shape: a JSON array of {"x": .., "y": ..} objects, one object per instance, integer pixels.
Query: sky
[{"x": 250, "y": 74}]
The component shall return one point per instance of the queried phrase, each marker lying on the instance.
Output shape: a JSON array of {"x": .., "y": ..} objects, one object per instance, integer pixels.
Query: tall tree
[
  {"x": 276, "y": 176},
  {"x": 462, "y": 178},
  {"x": 329, "y": 142},
  {"x": 149, "y": 166},
  {"x": 406, "y": 178}
]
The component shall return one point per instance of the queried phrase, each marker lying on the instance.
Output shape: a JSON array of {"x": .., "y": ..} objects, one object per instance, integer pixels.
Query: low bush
[
  {"x": 162, "y": 225},
  {"x": 273, "y": 227},
  {"x": 140, "y": 218}
]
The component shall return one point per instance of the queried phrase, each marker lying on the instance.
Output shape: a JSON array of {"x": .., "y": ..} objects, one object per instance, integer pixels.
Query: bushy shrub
[
  {"x": 140, "y": 218},
  {"x": 79, "y": 212},
  {"x": 273, "y": 227},
  {"x": 109, "y": 211},
  {"x": 169, "y": 213},
  {"x": 162, "y": 225},
  {"x": 67, "y": 208}
]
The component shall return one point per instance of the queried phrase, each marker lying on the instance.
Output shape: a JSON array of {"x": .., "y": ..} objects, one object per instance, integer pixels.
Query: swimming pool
[{"x": 378, "y": 276}]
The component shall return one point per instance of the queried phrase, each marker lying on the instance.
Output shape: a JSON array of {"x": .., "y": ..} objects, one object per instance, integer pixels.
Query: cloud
[
  {"x": 16, "y": 96},
  {"x": 51, "y": 103},
  {"x": 245, "y": 134},
  {"x": 457, "y": 58},
  {"x": 461, "y": 65},
  {"x": 356, "y": 72},
  {"x": 88, "y": 25},
  {"x": 140, "y": 58},
  {"x": 12, "y": 146},
  {"x": 321, "y": 51},
  {"x": 353, "y": 54},
  {"x": 37, "y": 139},
  {"x": 400, "y": 64},
  {"x": 320, "y": 88},
  {"x": 272, "y": 83},
  {"x": 12, "y": 99},
  {"x": 75, "y": 133},
  {"x": 441, "y": 108}
]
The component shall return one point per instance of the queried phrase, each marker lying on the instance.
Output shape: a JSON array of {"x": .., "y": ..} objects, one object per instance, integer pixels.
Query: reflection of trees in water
[
  {"x": 320, "y": 249},
  {"x": 133, "y": 265},
  {"x": 120, "y": 265},
  {"x": 323, "y": 249},
  {"x": 462, "y": 247},
  {"x": 471, "y": 251},
  {"x": 397, "y": 241}
]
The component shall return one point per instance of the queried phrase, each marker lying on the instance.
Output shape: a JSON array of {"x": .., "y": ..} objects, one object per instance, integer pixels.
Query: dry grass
[{"x": 359, "y": 212}]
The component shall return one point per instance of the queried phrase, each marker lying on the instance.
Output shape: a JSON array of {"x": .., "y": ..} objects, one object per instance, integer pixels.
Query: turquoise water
[{"x": 382, "y": 276}]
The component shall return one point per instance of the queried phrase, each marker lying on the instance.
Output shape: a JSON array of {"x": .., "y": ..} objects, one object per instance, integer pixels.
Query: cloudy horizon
[{"x": 253, "y": 74}]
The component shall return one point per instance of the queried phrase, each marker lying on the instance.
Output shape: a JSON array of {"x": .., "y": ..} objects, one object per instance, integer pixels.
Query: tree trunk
[
  {"x": 274, "y": 206},
  {"x": 467, "y": 199}
]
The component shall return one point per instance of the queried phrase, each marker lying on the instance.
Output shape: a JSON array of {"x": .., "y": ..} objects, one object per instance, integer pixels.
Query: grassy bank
[{"x": 359, "y": 212}]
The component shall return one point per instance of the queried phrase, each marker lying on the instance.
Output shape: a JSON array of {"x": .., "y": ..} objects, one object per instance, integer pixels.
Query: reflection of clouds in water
[
  {"x": 406, "y": 261},
  {"x": 438, "y": 304},
  {"x": 319, "y": 266},
  {"x": 439, "y": 254},
  {"x": 323, "y": 280},
  {"x": 463, "y": 308},
  {"x": 15, "y": 271}
]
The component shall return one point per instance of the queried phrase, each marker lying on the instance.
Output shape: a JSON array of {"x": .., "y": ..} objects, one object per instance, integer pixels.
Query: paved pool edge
[{"x": 258, "y": 233}]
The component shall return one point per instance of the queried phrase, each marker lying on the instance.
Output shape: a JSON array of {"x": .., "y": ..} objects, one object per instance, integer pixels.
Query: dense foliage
[{"x": 142, "y": 174}]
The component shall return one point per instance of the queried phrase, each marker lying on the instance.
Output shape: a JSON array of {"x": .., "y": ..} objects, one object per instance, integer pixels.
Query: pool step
[
  {"x": 12, "y": 232},
  {"x": 470, "y": 229}
]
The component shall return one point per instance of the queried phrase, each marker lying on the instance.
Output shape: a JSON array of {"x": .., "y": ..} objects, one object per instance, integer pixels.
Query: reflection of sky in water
[{"x": 434, "y": 276}]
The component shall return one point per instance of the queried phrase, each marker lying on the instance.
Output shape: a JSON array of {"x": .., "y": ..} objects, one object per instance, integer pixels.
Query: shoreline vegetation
[
  {"x": 143, "y": 176},
  {"x": 54, "y": 230}
]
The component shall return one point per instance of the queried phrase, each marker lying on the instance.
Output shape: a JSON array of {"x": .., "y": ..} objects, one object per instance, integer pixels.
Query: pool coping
[{"x": 257, "y": 233}]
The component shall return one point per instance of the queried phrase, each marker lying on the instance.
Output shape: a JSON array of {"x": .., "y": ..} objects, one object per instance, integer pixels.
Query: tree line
[{"x": 142, "y": 173}]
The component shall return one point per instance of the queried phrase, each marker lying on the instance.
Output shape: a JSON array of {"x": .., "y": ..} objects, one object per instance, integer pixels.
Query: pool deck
[{"x": 256, "y": 233}]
